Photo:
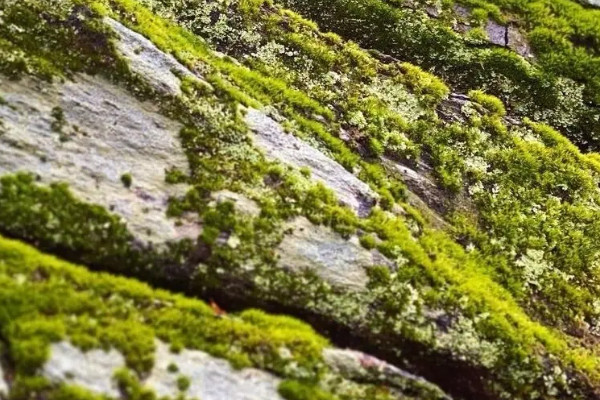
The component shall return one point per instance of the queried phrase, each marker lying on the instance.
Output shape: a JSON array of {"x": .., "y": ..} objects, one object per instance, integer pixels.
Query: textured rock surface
[
  {"x": 288, "y": 149},
  {"x": 360, "y": 366},
  {"x": 4, "y": 388},
  {"x": 161, "y": 70},
  {"x": 92, "y": 370},
  {"x": 594, "y": 3},
  {"x": 210, "y": 378},
  {"x": 106, "y": 133},
  {"x": 338, "y": 261}
]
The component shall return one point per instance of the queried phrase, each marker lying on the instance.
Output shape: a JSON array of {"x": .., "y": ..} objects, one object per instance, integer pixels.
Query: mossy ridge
[
  {"x": 45, "y": 300},
  {"x": 390, "y": 250},
  {"x": 529, "y": 89},
  {"x": 450, "y": 165}
]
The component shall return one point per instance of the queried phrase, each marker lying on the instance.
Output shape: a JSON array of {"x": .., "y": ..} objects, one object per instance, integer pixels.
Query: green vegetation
[
  {"x": 508, "y": 292},
  {"x": 127, "y": 180}
]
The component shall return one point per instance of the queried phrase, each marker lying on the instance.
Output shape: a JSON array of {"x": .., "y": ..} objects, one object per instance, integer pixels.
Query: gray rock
[
  {"x": 593, "y": 3},
  {"x": 92, "y": 370},
  {"x": 338, "y": 261},
  {"x": 497, "y": 34},
  {"x": 4, "y": 388},
  {"x": 241, "y": 203},
  {"x": 106, "y": 134},
  {"x": 359, "y": 366},
  {"x": 518, "y": 43},
  {"x": 161, "y": 70},
  {"x": 210, "y": 378},
  {"x": 279, "y": 145},
  {"x": 422, "y": 184}
]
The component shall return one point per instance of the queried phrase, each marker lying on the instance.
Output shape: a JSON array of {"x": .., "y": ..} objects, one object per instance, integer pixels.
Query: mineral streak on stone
[
  {"x": 279, "y": 145},
  {"x": 105, "y": 133}
]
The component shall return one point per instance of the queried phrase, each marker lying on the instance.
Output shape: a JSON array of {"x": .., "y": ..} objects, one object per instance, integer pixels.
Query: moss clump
[{"x": 126, "y": 180}]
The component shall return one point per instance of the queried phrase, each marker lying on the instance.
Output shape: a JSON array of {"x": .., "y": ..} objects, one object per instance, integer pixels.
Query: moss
[
  {"x": 491, "y": 104},
  {"x": 183, "y": 383},
  {"x": 294, "y": 390},
  {"x": 126, "y": 180}
]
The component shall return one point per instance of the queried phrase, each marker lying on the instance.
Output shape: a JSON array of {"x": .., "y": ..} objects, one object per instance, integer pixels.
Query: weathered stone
[
  {"x": 518, "y": 43},
  {"x": 593, "y": 3},
  {"x": 242, "y": 204},
  {"x": 4, "y": 388},
  {"x": 338, "y": 261},
  {"x": 160, "y": 70},
  {"x": 357, "y": 365},
  {"x": 497, "y": 34},
  {"x": 210, "y": 378},
  {"x": 92, "y": 370},
  {"x": 279, "y": 145},
  {"x": 105, "y": 133}
]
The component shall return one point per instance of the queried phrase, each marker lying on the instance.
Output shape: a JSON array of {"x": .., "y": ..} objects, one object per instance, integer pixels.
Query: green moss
[
  {"x": 491, "y": 104},
  {"x": 294, "y": 390},
  {"x": 183, "y": 383},
  {"x": 126, "y": 180}
]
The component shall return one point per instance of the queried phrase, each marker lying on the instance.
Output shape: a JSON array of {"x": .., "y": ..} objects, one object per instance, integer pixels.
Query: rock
[
  {"x": 518, "y": 43},
  {"x": 241, "y": 203},
  {"x": 210, "y": 378},
  {"x": 105, "y": 133},
  {"x": 593, "y": 3},
  {"x": 338, "y": 261},
  {"x": 4, "y": 388},
  {"x": 359, "y": 366},
  {"x": 92, "y": 370},
  {"x": 284, "y": 147},
  {"x": 161, "y": 70},
  {"x": 497, "y": 34},
  {"x": 420, "y": 183}
]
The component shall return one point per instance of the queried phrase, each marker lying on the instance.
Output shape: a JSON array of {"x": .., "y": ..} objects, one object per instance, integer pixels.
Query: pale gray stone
[
  {"x": 336, "y": 260},
  {"x": 160, "y": 70},
  {"x": 593, "y": 3},
  {"x": 92, "y": 370},
  {"x": 107, "y": 133},
  {"x": 210, "y": 378},
  {"x": 497, "y": 34},
  {"x": 288, "y": 149},
  {"x": 4, "y": 388},
  {"x": 356, "y": 365}
]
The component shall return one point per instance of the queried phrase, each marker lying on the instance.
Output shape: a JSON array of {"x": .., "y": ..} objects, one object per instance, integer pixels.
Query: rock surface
[
  {"x": 89, "y": 133},
  {"x": 210, "y": 378},
  {"x": 161, "y": 70},
  {"x": 279, "y": 145},
  {"x": 92, "y": 370},
  {"x": 4, "y": 388},
  {"x": 338, "y": 261}
]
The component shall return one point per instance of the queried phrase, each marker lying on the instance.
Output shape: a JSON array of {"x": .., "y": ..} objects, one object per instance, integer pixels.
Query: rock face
[
  {"x": 338, "y": 261},
  {"x": 89, "y": 133},
  {"x": 210, "y": 378},
  {"x": 161, "y": 70},
  {"x": 92, "y": 370},
  {"x": 279, "y": 145},
  {"x": 593, "y": 3}
]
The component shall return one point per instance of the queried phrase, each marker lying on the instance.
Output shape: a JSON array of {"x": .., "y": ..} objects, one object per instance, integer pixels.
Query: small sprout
[
  {"x": 183, "y": 383},
  {"x": 127, "y": 180}
]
